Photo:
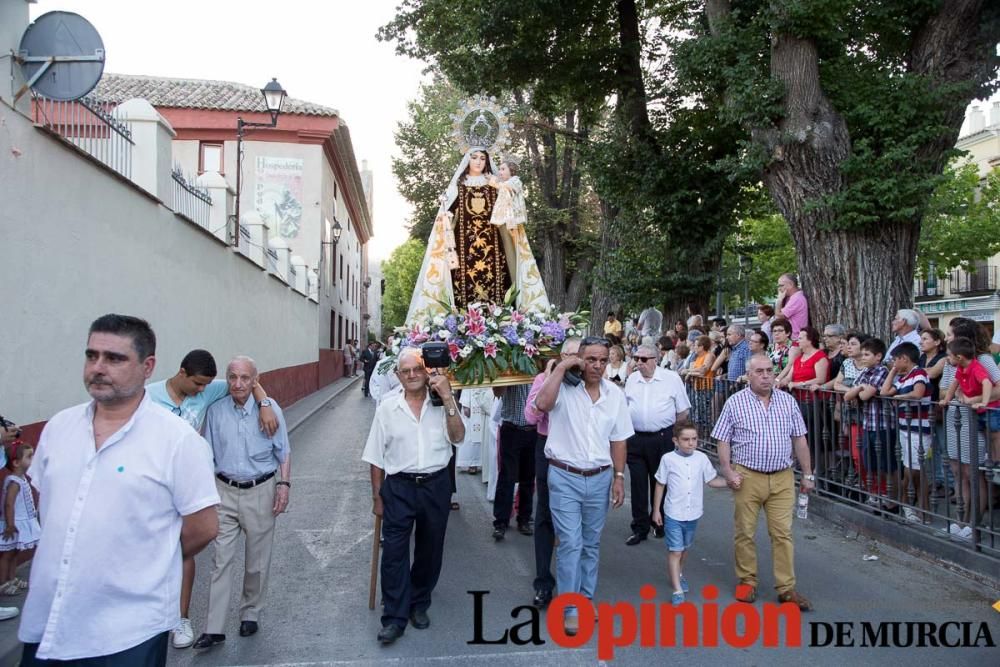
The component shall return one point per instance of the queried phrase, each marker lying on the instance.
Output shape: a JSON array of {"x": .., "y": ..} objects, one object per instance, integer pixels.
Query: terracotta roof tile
[{"x": 196, "y": 94}]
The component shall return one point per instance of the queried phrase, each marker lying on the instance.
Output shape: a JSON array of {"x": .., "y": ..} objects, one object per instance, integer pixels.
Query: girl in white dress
[{"x": 21, "y": 530}]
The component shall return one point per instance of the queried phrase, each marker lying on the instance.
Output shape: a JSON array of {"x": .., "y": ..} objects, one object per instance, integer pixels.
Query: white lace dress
[{"x": 25, "y": 516}]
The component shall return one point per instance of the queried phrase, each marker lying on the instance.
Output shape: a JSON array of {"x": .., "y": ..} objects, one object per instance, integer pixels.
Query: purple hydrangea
[
  {"x": 529, "y": 336},
  {"x": 451, "y": 323},
  {"x": 510, "y": 334},
  {"x": 554, "y": 331}
]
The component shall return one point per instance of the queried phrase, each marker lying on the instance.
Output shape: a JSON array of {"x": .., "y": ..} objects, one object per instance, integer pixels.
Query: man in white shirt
[
  {"x": 656, "y": 400},
  {"x": 588, "y": 426},
  {"x": 906, "y": 326},
  {"x": 409, "y": 446},
  {"x": 125, "y": 489}
]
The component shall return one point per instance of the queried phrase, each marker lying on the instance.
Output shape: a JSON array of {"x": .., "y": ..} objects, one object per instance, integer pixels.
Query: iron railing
[
  {"x": 923, "y": 287},
  {"x": 983, "y": 279},
  {"x": 190, "y": 200},
  {"x": 929, "y": 468},
  {"x": 88, "y": 124}
]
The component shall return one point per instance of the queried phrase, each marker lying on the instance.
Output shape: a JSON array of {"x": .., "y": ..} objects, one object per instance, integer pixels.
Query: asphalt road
[{"x": 317, "y": 607}]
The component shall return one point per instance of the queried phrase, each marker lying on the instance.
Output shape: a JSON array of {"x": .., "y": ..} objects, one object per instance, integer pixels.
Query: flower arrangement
[{"x": 489, "y": 340}]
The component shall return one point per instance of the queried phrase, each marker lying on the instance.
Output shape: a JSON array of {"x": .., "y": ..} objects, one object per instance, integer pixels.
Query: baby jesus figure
[{"x": 509, "y": 210}]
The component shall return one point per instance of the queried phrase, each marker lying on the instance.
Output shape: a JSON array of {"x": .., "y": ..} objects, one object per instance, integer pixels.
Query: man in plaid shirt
[
  {"x": 756, "y": 432},
  {"x": 877, "y": 417}
]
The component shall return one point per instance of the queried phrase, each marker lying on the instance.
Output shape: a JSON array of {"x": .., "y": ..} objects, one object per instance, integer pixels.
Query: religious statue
[{"x": 477, "y": 253}]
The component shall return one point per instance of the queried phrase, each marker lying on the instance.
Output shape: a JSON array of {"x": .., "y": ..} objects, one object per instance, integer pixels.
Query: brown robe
[{"x": 482, "y": 273}]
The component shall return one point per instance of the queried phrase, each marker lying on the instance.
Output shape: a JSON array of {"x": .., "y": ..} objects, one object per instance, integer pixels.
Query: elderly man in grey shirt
[{"x": 252, "y": 474}]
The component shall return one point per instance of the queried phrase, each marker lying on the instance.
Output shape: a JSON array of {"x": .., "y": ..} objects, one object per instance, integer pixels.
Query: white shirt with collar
[
  {"x": 400, "y": 442},
  {"x": 654, "y": 403},
  {"x": 581, "y": 430},
  {"x": 107, "y": 573},
  {"x": 908, "y": 337},
  {"x": 685, "y": 478}
]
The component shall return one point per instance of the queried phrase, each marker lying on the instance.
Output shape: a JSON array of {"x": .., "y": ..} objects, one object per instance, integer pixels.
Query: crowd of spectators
[{"x": 907, "y": 425}]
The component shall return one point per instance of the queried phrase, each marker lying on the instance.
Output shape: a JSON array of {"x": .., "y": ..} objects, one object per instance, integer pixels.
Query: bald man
[{"x": 252, "y": 472}]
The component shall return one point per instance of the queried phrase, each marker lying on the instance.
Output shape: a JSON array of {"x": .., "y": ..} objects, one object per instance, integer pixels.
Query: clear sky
[{"x": 320, "y": 51}]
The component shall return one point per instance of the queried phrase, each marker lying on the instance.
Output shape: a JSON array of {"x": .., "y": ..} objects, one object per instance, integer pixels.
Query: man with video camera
[{"x": 409, "y": 447}]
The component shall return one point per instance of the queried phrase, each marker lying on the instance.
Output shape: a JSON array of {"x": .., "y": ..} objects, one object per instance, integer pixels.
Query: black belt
[
  {"x": 662, "y": 431},
  {"x": 527, "y": 427},
  {"x": 249, "y": 484},
  {"x": 590, "y": 472},
  {"x": 418, "y": 477}
]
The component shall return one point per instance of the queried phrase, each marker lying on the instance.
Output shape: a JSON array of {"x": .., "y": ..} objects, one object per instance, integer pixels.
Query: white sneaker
[
  {"x": 183, "y": 634},
  {"x": 910, "y": 515},
  {"x": 965, "y": 533},
  {"x": 954, "y": 529},
  {"x": 8, "y": 612}
]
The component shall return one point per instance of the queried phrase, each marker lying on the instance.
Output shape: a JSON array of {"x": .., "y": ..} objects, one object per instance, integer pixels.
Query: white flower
[
  {"x": 498, "y": 311},
  {"x": 443, "y": 334},
  {"x": 465, "y": 351},
  {"x": 439, "y": 320},
  {"x": 522, "y": 342},
  {"x": 535, "y": 327}
]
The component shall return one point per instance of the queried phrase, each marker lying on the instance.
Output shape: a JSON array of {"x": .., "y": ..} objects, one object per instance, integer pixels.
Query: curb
[{"x": 312, "y": 411}]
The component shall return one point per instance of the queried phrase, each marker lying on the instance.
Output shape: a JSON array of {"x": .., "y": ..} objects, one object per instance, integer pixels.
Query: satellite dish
[{"x": 61, "y": 56}]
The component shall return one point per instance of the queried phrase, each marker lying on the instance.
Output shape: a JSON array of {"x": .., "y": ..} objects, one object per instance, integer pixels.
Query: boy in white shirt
[{"x": 682, "y": 472}]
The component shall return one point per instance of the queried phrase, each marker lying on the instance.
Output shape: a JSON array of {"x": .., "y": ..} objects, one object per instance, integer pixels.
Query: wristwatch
[
  {"x": 620, "y": 474},
  {"x": 266, "y": 403},
  {"x": 452, "y": 411},
  {"x": 810, "y": 478}
]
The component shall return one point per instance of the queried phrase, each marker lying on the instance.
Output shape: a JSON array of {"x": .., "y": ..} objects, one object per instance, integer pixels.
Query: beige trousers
[
  {"x": 247, "y": 511},
  {"x": 775, "y": 493}
]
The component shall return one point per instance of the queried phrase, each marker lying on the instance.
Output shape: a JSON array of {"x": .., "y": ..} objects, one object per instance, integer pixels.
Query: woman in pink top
[{"x": 792, "y": 304}]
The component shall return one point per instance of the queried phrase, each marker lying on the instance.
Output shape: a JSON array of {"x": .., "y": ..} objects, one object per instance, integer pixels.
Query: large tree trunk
[
  {"x": 601, "y": 300},
  {"x": 855, "y": 278},
  {"x": 858, "y": 277}
]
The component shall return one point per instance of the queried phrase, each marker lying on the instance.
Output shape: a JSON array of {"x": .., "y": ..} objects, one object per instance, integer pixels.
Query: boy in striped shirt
[{"x": 911, "y": 386}]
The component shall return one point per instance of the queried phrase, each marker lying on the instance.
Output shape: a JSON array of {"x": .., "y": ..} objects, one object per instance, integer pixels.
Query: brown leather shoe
[
  {"x": 796, "y": 598},
  {"x": 746, "y": 593},
  {"x": 571, "y": 625}
]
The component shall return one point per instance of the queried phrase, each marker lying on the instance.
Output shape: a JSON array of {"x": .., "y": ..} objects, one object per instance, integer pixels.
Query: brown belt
[{"x": 578, "y": 471}]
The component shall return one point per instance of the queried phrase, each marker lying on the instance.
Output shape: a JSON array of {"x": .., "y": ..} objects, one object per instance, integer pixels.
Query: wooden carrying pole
[{"x": 375, "y": 547}]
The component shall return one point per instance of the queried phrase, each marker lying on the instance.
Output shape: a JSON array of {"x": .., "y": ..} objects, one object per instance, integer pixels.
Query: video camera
[{"x": 435, "y": 355}]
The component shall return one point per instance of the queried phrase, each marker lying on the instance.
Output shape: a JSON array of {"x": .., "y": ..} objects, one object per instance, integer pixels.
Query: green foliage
[
  {"x": 767, "y": 243},
  {"x": 962, "y": 223},
  {"x": 561, "y": 49},
  {"x": 400, "y": 273},
  {"x": 893, "y": 114},
  {"x": 427, "y": 156}
]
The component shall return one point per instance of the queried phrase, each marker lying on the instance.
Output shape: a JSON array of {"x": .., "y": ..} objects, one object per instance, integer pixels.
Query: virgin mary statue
[{"x": 470, "y": 258}]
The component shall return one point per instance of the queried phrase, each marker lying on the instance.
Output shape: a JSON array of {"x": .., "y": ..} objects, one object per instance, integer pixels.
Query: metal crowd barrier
[{"x": 937, "y": 477}]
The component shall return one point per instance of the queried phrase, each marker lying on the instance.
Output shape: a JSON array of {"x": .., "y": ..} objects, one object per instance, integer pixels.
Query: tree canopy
[
  {"x": 400, "y": 273},
  {"x": 962, "y": 225},
  {"x": 847, "y": 112}
]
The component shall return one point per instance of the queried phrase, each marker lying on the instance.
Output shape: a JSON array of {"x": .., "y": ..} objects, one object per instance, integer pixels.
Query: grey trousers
[{"x": 246, "y": 511}]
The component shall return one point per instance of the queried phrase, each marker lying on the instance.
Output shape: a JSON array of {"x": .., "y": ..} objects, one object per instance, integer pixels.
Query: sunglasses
[
  {"x": 643, "y": 360},
  {"x": 595, "y": 340}
]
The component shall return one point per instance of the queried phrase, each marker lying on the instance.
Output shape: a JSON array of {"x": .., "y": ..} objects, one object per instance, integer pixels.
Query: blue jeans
[{"x": 579, "y": 506}]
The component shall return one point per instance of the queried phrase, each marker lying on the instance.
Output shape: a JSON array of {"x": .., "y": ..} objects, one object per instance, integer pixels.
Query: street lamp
[
  {"x": 274, "y": 98},
  {"x": 335, "y": 232}
]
